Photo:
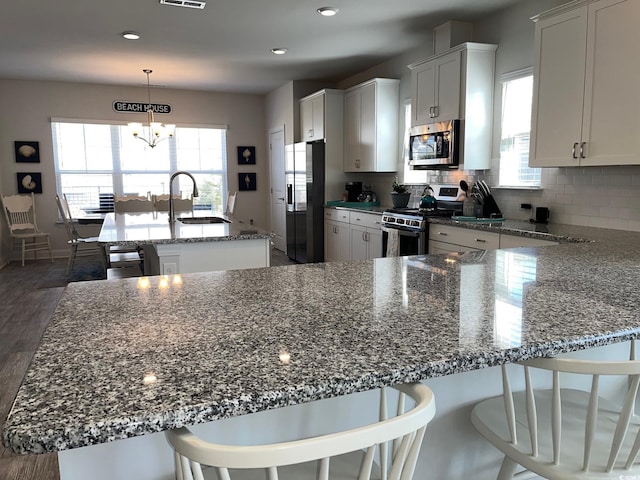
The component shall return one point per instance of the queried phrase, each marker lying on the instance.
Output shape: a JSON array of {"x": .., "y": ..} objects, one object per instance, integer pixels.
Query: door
[
  {"x": 558, "y": 89},
  {"x": 611, "y": 121},
  {"x": 352, "y": 103},
  {"x": 424, "y": 87},
  {"x": 278, "y": 207},
  {"x": 447, "y": 73}
]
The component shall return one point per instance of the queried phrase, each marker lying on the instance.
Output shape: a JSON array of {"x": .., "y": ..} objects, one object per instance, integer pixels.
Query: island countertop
[
  {"x": 128, "y": 229},
  {"x": 129, "y": 357}
]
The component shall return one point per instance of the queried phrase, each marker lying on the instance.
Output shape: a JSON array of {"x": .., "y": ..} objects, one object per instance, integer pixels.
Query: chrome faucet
[{"x": 172, "y": 212}]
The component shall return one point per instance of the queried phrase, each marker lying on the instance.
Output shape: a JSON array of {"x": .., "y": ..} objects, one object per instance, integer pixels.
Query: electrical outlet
[{"x": 169, "y": 268}]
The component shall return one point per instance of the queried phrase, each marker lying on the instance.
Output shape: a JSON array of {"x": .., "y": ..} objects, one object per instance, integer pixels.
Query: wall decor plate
[
  {"x": 246, "y": 155},
  {"x": 27, "y": 152},
  {"x": 246, "y": 182},
  {"x": 29, "y": 182}
]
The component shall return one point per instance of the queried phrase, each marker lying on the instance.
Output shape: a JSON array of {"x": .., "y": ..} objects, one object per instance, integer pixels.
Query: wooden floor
[{"x": 25, "y": 312}]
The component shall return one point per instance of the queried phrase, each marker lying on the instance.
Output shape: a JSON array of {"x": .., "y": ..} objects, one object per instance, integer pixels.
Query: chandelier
[{"x": 156, "y": 131}]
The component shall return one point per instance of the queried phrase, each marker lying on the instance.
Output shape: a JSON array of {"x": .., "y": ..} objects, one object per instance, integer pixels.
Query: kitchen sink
[{"x": 200, "y": 220}]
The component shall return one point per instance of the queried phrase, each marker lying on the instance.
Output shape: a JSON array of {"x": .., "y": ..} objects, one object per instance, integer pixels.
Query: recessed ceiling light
[
  {"x": 131, "y": 35},
  {"x": 279, "y": 51},
  {"x": 327, "y": 11}
]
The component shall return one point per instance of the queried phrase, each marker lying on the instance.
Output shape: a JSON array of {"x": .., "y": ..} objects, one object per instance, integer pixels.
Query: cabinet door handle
[
  {"x": 480, "y": 240},
  {"x": 573, "y": 151},
  {"x": 364, "y": 236},
  {"x": 582, "y": 145},
  {"x": 442, "y": 233}
]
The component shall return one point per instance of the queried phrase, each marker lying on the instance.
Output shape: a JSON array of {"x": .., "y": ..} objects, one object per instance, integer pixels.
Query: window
[
  {"x": 94, "y": 160},
  {"x": 410, "y": 175},
  {"x": 517, "y": 93}
]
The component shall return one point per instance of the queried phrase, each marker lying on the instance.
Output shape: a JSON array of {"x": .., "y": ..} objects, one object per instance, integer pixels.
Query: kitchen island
[
  {"x": 124, "y": 360},
  {"x": 188, "y": 247}
]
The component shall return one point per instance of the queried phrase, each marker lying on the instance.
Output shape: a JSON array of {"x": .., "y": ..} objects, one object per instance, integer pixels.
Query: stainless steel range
[{"x": 405, "y": 230}]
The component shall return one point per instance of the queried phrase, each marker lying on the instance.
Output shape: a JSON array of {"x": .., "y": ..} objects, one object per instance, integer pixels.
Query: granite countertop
[
  {"x": 363, "y": 208},
  {"x": 128, "y": 357},
  {"x": 140, "y": 228}
]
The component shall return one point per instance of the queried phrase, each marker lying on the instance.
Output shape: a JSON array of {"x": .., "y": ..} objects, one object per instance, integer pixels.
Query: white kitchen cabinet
[
  {"x": 458, "y": 84},
  {"x": 436, "y": 90},
  {"x": 321, "y": 114},
  {"x": 336, "y": 235},
  {"x": 586, "y": 97},
  {"x": 445, "y": 238},
  {"x": 365, "y": 236},
  {"x": 352, "y": 235},
  {"x": 371, "y": 126},
  {"x": 514, "y": 241}
]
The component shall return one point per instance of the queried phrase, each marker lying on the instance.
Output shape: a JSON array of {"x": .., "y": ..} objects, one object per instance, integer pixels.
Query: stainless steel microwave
[{"x": 434, "y": 146}]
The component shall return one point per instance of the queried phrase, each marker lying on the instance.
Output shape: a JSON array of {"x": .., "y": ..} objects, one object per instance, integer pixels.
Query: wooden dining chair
[
  {"x": 132, "y": 203},
  {"x": 231, "y": 204},
  {"x": 20, "y": 212},
  {"x": 161, "y": 203},
  {"x": 81, "y": 246},
  {"x": 390, "y": 442},
  {"x": 566, "y": 432}
]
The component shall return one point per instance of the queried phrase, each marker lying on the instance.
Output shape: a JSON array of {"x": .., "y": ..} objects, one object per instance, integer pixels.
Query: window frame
[
  {"x": 118, "y": 174},
  {"x": 504, "y": 79}
]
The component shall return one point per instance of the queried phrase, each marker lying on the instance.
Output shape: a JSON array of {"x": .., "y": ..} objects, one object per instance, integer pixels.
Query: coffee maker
[{"x": 353, "y": 189}]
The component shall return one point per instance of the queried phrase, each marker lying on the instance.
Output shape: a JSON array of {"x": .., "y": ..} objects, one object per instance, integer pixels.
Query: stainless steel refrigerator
[{"x": 304, "y": 177}]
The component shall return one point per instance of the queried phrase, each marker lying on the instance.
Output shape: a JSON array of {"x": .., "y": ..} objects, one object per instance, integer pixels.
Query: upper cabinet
[
  {"x": 458, "y": 84},
  {"x": 371, "y": 126},
  {"x": 436, "y": 90},
  {"x": 318, "y": 112},
  {"x": 586, "y": 97}
]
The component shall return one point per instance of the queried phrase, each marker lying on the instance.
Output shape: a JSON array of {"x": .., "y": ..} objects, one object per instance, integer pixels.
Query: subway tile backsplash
[{"x": 605, "y": 197}]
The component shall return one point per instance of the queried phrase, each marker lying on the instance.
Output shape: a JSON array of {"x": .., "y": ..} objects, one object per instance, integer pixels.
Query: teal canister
[{"x": 428, "y": 201}]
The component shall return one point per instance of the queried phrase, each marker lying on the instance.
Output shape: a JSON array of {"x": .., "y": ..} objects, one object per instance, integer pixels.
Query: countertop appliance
[
  {"x": 405, "y": 230},
  {"x": 304, "y": 177},
  {"x": 435, "y": 146}
]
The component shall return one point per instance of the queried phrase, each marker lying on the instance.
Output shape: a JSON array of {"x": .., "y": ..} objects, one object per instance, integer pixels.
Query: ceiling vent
[{"x": 184, "y": 3}]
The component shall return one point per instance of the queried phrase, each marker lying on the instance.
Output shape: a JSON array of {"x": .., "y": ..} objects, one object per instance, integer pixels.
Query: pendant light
[{"x": 156, "y": 131}]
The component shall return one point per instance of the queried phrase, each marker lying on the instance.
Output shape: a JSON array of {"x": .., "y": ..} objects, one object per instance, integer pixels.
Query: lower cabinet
[
  {"x": 366, "y": 243},
  {"x": 446, "y": 239},
  {"x": 351, "y": 235},
  {"x": 336, "y": 235}
]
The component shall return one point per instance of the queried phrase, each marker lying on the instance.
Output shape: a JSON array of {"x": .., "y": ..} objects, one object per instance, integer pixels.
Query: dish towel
[{"x": 393, "y": 244}]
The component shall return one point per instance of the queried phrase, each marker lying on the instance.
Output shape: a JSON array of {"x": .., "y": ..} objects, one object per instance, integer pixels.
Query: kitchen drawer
[
  {"x": 476, "y": 239},
  {"x": 436, "y": 247},
  {"x": 336, "y": 215},
  {"x": 370, "y": 220}
]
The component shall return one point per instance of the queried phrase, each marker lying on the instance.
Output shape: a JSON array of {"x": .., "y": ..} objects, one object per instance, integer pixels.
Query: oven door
[{"x": 397, "y": 242}]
